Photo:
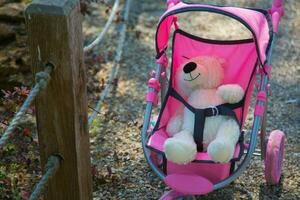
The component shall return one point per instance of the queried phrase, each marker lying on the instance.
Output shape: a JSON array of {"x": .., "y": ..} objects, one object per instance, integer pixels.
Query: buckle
[{"x": 214, "y": 110}]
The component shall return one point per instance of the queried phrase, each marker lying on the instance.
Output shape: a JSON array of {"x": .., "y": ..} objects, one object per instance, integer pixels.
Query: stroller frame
[{"x": 259, "y": 120}]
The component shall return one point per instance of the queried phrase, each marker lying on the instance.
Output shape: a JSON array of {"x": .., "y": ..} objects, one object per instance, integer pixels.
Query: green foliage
[
  {"x": 94, "y": 128},
  {"x": 10, "y": 147},
  {"x": 27, "y": 1},
  {"x": 2, "y": 174}
]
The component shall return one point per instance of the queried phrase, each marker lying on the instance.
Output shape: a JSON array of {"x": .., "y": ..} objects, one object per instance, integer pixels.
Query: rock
[
  {"x": 8, "y": 70},
  {"x": 2, "y": 2},
  {"x": 3, "y": 58},
  {"x": 12, "y": 12},
  {"x": 14, "y": 61},
  {"x": 20, "y": 57},
  {"x": 6, "y": 34},
  {"x": 7, "y": 84}
]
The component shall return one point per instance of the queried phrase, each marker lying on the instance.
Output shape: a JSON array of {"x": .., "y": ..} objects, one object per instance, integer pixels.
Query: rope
[
  {"x": 42, "y": 79},
  {"x": 51, "y": 168},
  {"x": 115, "y": 67},
  {"x": 100, "y": 37}
]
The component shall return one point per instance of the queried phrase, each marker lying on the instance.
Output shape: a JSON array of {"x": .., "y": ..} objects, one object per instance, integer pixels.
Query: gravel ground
[{"x": 122, "y": 172}]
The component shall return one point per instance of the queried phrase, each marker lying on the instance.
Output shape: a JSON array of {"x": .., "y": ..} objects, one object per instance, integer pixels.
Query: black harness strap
[
  {"x": 201, "y": 114},
  {"x": 177, "y": 96},
  {"x": 200, "y": 117},
  {"x": 199, "y": 128},
  {"x": 224, "y": 110}
]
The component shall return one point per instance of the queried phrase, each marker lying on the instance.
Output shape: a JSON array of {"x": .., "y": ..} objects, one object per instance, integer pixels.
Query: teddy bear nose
[{"x": 189, "y": 67}]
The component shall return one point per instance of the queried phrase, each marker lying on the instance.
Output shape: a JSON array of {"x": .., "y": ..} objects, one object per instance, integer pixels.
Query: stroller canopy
[{"x": 256, "y": 20}]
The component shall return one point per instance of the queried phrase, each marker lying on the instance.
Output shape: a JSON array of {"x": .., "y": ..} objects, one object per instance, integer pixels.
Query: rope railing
[
  {"x": 101, "y": 35},
  {"x": 42, "y": 80},
  {"x": 115, "y": 67},
  {"x": 51, "y": 168}
]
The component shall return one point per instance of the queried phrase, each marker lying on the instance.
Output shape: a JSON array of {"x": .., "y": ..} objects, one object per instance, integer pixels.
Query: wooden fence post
[{"x": 55, "y": 36}]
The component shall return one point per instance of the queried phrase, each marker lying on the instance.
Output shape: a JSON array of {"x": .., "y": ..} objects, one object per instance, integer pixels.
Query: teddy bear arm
[
  {"x": 231, "y": 93},
  {"x": 175, "y": 124}
]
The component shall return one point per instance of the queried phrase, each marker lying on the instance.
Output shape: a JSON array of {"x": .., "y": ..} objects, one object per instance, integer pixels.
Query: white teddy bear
[{"x": 201, "y": 78}]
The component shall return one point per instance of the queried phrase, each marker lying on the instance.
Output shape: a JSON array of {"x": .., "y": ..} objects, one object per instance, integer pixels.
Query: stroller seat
[
  {"x": 157, "y": 140},
  {"x": 240, "y": 69},
  {"x": 203, "y": 169}
]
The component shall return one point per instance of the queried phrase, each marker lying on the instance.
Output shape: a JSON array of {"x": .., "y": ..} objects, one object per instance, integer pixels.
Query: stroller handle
[
  {"x": 276, "y": 12},
  {"x": 171, "y": 3},
  {"x": 277, "y": 3}
]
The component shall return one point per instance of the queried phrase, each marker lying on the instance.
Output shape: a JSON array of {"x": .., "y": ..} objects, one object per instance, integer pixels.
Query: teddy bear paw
[
  {"x": 180, "y": 152},
  {"x": 231, "y": 93},
  {"x": 220, "y": 151}
]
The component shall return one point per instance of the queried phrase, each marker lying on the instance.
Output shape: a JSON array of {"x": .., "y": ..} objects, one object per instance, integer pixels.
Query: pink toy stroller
[{"x": 245, "y": 58}]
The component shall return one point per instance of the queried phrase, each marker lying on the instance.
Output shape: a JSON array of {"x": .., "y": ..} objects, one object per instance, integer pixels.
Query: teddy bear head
[{"x": 203, "y": 72}]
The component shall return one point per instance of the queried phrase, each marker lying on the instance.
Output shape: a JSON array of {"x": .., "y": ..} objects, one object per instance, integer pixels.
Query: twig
[{"x": 94, "y": 109}]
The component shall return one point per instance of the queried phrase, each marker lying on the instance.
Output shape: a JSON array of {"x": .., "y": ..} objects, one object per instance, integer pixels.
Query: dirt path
[{"x": 123, "y": 172}]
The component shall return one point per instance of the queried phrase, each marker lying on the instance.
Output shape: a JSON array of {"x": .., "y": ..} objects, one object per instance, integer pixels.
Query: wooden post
[{"x": 55, "y": 36}]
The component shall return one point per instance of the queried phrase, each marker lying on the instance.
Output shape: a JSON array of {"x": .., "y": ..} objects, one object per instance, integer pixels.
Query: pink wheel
[{"x": 274, "y": 157}]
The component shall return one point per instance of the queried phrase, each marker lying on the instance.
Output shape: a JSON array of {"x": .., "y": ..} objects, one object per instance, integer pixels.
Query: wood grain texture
[{"x": 55, "y": 35}]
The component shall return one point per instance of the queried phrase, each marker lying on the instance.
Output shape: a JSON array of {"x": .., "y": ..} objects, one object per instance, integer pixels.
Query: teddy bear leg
[
  {"x": 181, "y": 148},
  {"x": 222, "y": 148}
]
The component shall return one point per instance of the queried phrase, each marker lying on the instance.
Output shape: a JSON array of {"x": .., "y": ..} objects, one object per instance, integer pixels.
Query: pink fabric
[
  {"x": 240, "y": 62},
  {"x": 212, "y": 172},
  {"x": 256, "y": 20},
  {"x": 189, "y": 184}
]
